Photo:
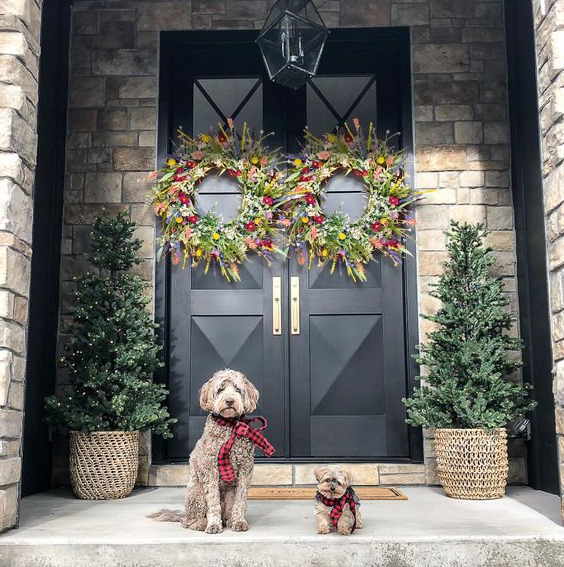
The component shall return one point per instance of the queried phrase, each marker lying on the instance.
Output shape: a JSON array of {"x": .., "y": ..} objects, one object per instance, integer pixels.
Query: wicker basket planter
[
  {"x": 472, "y": 464},
  {"x": 103, "y": 465}
]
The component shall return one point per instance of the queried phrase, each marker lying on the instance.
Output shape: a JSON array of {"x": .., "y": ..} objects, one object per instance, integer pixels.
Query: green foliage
[
  {"x": 112, "y": 352},
  {"x": 469, "y": 357}
]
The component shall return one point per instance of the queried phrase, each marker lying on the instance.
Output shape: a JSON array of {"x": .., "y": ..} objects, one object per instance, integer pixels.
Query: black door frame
[{"x": 169, "y": 41}]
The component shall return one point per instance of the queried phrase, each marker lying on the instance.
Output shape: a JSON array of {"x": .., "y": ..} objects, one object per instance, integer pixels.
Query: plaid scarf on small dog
[
  {"x": 240, "y": 428},
  {"x": 338, "y": 505}
]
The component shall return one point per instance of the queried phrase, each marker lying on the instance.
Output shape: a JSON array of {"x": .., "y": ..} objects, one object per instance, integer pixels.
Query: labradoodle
[
  {"x": 336, "y": 502},
  {"x": 221, "y": 464}
]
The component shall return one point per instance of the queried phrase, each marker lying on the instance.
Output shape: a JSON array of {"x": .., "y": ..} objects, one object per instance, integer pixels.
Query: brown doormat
[{"x": 291, "y": 493}]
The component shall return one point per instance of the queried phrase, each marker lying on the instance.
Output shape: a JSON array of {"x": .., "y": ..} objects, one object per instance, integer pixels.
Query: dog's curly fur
[
  {"x": 333, "y": 483},
  {"x": 211, "y": 503}
]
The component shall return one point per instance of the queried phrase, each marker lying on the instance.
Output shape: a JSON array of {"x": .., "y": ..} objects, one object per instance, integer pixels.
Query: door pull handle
[
  {"x": 295, "y": 307},
  {"x": 277, "y": 305}
]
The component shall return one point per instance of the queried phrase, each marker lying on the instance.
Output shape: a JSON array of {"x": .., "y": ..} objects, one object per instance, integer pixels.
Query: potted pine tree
[
  {"x": 470, "y": 391},
  {"x": 111, "y": 357}
]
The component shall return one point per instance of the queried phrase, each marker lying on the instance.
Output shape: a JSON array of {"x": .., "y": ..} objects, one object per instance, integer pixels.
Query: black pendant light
[{"x": 291, "y": 42}]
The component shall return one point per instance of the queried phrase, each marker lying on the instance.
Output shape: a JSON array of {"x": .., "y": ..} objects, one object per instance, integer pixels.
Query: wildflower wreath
[
  {"x": 335, "y": 238},
  {"x": 187, "y": 234}
]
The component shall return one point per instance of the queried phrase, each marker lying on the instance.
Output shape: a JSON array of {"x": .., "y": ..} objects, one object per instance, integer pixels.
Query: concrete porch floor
[{"x": 523, "y": 529}]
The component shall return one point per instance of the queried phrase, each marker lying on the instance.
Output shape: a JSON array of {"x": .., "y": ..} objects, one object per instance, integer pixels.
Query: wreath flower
[
  {"x": 189, "y": 234},
  {"x": 335, "y": 238}
]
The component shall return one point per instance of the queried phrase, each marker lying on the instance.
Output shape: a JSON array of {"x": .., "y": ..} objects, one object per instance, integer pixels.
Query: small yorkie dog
[{"x": 336, "y": 502}]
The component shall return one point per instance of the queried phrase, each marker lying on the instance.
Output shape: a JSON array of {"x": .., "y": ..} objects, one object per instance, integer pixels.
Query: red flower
[
  {"x": 178, "y": 178},
  {"x": 393, "y": 244},
  {"x": 376, "y": 226},
  {"x": 238, "y": 173},
  {"x": 250, "y": 226},
  {"x": 348, "y": 138},
  {"x": 357, "y": 173},
  {"x": 364, "y": 173},
  {"x": 268, "y": 201},
  {"x": 222, "y": 138},
  {"x": 306, "y": 170},
  {"x": 305, "y": 178},
  {"x": 193, "y": 219},
  {"x": 319, "y": 219},
  {"x": 183, "y": 198},
  {"x": 394, "y": 201},
  {"x": 310, "y": 199},
  {"x": 266, "y": 243},
  {"x": 179, "y": 169},
  {"x": 315, "y": 164}
]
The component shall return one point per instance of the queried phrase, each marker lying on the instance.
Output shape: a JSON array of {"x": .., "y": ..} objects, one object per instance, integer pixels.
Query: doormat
[{"x": 291, "y": 493}]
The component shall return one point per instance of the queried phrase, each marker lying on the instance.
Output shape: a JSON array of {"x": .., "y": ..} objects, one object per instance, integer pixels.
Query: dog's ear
[
  {"x": 319, "y": 473},
  {"x": 205, "y": 395},
  {"x": 348, "y": 477},
  {"x": 251, "y": 396}
]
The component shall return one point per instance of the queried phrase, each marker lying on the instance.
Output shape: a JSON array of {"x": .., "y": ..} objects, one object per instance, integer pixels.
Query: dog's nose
[
  {"x": 229, "y": 402},
  {"x": 332, "y": 486}
]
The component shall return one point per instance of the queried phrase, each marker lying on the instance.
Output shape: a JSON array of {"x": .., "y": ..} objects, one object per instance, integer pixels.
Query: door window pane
[
  {"x": 332, "y": 100},
  {"x": 216, "y": 100}
]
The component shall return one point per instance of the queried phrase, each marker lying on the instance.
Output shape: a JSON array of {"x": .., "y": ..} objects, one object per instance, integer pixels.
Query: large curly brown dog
[{"x": 211, "y": 503}]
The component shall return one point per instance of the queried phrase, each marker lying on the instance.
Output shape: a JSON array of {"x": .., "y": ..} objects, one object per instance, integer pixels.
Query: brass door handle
[
  {"x": 295, "y": 307},
  {"x": 277, "y": 305}
]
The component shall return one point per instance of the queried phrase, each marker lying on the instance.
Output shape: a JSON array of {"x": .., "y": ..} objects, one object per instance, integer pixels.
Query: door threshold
[{"x": 301, "y": 474}]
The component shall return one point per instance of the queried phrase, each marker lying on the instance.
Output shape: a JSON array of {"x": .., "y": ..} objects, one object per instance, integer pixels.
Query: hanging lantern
[{"x": 291, "y": 42}]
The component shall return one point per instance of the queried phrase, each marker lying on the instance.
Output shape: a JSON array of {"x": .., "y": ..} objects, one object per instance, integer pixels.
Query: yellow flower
[
  {"x": 381, "y": 160},
  {"x": 171, "y": 162},
  {"x": 254, "y": 160},
  {"x": 324, "y": 253},
  {"x": 332, "y": 138},
  {"x": 178, "y": 219},
  {"x": 215, "y": 236},
  {"x": 258, "y": 221},
  {"x": 342, "y": 236},
  {"x": 298, "y": 162},
  {"x": 305, "y": 220},
  {"x": 198, "y": 253},
  {"x": 206, "y": 138}
]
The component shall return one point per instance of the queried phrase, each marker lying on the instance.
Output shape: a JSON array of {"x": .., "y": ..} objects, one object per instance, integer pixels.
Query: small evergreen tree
[
  {"x": 469, "y": 357},
  {"x": 112, "y": 353}
]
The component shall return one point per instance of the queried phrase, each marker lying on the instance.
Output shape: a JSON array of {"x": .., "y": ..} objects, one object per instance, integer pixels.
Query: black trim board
[
  {"x": 532, "y": 274},
  {"x": 47, "y": 229}
]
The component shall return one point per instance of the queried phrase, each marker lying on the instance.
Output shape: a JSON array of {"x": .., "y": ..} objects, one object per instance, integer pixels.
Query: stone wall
[
  {"x": 549, "y": 20},
  {"x": 460, "y": 109},
  {"x": 19, "y": 59}
]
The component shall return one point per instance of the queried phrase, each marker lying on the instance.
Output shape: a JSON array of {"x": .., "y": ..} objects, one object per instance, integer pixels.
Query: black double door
[{"x": 329, "y": 357}]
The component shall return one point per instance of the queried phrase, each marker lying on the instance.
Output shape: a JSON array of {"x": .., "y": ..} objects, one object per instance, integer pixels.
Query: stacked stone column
[
  {"x": 19, "y": 63},
  {"x": 549, "y": 20}
]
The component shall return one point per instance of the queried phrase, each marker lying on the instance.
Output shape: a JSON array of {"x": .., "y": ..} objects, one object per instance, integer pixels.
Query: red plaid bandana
[
  {"x": 338, "y": 504},
  {"x": 240, "y": 428}
]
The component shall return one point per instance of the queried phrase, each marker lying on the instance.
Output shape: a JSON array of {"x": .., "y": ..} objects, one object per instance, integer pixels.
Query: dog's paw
[
  {"x": 344, "y": 532},
  {"x": 240, "y": 526},
  {"x": 324, "y": 530},
  {"x": 214, "y": 529}
]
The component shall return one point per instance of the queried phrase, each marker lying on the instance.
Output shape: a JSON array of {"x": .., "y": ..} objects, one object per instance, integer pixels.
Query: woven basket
[
  {"x": 103, "y": 465},
  {"x": 472, "y": 464}
]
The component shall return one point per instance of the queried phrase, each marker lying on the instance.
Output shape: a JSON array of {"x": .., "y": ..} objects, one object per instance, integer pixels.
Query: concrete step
[{"x": 428, "y": 530}]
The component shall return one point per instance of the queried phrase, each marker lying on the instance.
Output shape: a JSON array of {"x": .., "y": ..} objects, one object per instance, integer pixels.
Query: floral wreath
[
  {"x": 335, "y": 238},
  {"x": 186, "y": 234}
]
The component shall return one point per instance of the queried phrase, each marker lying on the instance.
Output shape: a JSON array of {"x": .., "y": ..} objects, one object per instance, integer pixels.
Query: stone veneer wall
[
  {"x": 550, "y": 56},
  {"x": 19, "y": 64},
  {"x": 461, "y": 131}
]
